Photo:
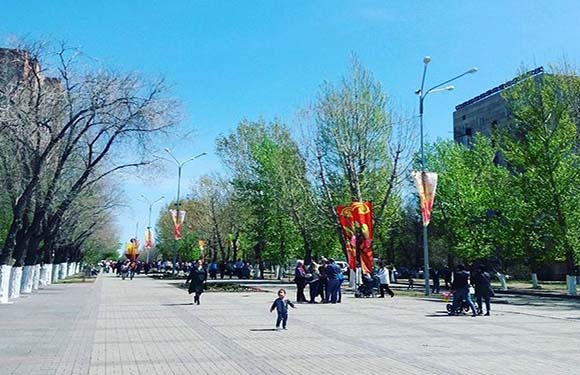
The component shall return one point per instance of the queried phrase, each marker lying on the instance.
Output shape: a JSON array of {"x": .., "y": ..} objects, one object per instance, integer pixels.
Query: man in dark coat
[
  {"x": 300, "y": 280},
  {"x": 197, "y": 278},
  {"x": 460, "y": 287},
  {"x": 483, "y": 291},
  {"x": 435, "y": 277}
]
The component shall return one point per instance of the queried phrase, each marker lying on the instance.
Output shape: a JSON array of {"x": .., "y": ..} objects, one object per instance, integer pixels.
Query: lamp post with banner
[
  {"x": 426, "y": 181},
  {"x": 148, "y": 235},
  {"x": 178, "y": 215}
]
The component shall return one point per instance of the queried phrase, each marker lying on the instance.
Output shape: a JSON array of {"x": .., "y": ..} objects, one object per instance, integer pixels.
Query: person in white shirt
[{"x": 385, "y": 280}]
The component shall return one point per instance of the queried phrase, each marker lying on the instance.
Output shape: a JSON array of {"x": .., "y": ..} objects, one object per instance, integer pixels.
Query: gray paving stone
[{"x": 148, "y": 326}]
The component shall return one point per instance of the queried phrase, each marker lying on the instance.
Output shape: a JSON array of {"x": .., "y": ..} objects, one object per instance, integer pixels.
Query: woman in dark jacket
[
  {"x": 197, "y": 278},
  {"x": 482, "y": 285}
]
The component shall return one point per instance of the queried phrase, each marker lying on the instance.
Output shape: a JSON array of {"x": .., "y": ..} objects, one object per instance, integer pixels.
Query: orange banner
[
  {"x": 177, "y": 222},
  {"x": 426, "y": 183},
  {"x": 357, "y": 227}
]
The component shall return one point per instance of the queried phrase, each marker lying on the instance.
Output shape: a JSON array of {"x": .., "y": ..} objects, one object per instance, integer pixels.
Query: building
[
  {"x": 485, "y": 112},
  {"x": 16, "y": 64}
]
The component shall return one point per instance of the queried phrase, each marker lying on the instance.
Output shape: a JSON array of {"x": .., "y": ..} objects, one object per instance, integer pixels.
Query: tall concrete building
[{"x": 485, "y": 112}]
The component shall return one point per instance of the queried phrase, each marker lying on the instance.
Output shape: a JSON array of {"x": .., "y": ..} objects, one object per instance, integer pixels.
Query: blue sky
[{"x": 230, "y": 60}]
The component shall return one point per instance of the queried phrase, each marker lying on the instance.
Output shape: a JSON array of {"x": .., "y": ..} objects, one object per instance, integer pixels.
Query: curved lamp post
[
  {"x": 422, "y": 94},
  {"x": 180, "y": 165},
  {"x": 149, "y": 219}
]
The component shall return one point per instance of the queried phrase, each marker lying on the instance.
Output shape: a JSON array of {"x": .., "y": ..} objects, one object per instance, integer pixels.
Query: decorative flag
[
  {"x": 426, "y": 185},
  {"x": 148, "y": 239},
  {"x": 132, "y": 250},
  {"x": 177, "y": 222},
  {"x": 345, "y": 217},
  {"x": 357, "y": 227},
  {"x": 201, "y": 244}
]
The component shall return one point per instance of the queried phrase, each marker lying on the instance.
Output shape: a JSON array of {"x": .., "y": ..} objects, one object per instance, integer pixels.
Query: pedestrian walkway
[{"x": 148, "y": 326}]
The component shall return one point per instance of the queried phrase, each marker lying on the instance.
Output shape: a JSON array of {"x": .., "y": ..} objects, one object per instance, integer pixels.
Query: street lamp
[
  {"x": 422, "y": 94},
  {"x": 179, "y": 166},
  {"x": 149, "y": 220}
]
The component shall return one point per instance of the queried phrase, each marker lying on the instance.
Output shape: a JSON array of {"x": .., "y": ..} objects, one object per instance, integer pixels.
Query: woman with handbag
[{"x": 197, "y": 279}]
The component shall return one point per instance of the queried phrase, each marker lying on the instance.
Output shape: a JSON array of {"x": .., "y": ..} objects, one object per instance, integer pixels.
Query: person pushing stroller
[{"x": 460, "y": 286}]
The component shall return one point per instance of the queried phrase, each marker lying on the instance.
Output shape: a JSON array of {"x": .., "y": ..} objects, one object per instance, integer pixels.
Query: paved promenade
[{"x": 148, "y": 326}]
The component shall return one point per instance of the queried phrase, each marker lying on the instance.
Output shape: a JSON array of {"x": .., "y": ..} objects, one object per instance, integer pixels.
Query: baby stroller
[
  {"x": 369, "y": 287},
  {"x": 463, "y": 307}
]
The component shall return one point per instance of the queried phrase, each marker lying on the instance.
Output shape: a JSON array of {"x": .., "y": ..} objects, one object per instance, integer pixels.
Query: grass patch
[{"x": 76, "y": 279}]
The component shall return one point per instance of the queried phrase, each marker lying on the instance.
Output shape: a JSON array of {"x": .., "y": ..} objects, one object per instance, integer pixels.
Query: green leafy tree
[{"x": 540, "y": 145}]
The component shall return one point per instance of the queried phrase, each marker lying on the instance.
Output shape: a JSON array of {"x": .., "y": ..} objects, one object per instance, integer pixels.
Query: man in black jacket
[{"x": 460, "y": 287}]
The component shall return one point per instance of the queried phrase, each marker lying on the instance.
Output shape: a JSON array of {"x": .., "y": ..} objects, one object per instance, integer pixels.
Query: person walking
[
  {"x": 300, "y": 280},
  {"x": 434, "y": 273},
  {"x": 197, "y": 279},
  {"x": 124, "y": 270},
  {"x": 332, "y": 283},
  {"x": 132, "y": 270},
  {"x": 483, "y": 291},
  {"x": 313, "y": 278},
  {"x": 460, "y": 286},
  {"x": 323, "y": 280},
  {"x": 383, "y": 275},
  {"x": 281, "y": 304},
  {"x": 213, "y": 270}
]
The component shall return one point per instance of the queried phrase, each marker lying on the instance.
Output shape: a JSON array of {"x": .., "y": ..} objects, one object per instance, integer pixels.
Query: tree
[
  {"x": 540, "y": 145},
  {"x": 72, "y": 131},
  {"x": 357, "y": 157}
]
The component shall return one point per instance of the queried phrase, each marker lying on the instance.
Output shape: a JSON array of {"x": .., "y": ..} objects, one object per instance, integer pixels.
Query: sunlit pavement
[{"x": 148, "y": 326}]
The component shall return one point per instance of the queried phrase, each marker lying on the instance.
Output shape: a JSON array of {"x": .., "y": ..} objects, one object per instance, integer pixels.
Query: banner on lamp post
[
  {"x": 148, "y": 239},
  {"x": 356, "y": 221},
  {"x": 426, "y": 183},
  {"x": 177, "y": 222}
]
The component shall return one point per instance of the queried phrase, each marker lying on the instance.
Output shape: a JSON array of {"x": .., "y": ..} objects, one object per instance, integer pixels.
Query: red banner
[
  {"x": 357, "y": 227},
  {"x": 426, "y": 183},
  {"x": 177, "y": 222},
  {"x": 148, "y": 239},
  {"x": 345, "y": 216}
]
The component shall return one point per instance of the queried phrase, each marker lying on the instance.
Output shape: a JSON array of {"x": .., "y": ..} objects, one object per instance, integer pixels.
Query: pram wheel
[{"x": 449, "y": 306}]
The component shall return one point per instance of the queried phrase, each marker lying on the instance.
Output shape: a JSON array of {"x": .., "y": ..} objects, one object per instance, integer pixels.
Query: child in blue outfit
[{"x": 281, "y": 305}]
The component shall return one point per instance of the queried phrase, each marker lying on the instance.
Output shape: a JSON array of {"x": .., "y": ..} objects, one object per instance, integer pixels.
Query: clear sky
[{"x": 230, "y": 60}]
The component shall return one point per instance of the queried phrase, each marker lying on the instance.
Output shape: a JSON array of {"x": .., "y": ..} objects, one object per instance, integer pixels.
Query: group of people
[
  {"x": 460, "y": 285},
  {"x": 240, "y": 269},
  {"x": 324, "y": 280},
  {"x": 123, "y": 268}
]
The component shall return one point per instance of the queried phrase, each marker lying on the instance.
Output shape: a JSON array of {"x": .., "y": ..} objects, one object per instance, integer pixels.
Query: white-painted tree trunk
[
  {"x": 49, "y": 271},
  {"x": 78, "y": 267},
  {"x": 15, "y": 280},
  {"x": 62, "y": 270},
  {"x": 55, "y": 272},
  {"x": 36, "y": 277},
  {"x": 42, "y": 277},
  {"x": 571, "y": 284},
  {"x": 535, "y": 284},
  {"x": 351, "y": 279},
  {"x": 502, "y": 281},
  {"x": 5, "y": 272},
  {"x": 26, "y": 282},
  {"x": 277, "y": 273}
]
